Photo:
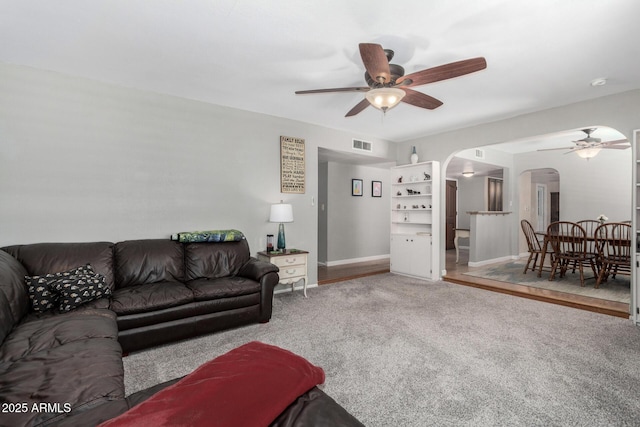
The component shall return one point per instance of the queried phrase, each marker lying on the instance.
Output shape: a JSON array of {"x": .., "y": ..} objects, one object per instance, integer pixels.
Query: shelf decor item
[
  {"x": 414, "y": 156},
  {"x": 281, "y": 213}
]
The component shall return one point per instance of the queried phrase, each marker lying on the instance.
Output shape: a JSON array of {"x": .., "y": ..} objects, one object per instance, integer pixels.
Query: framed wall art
[
  {"x": 376, "y": 188},
  {"x": 292, "y": 165},
  {"x": 356, "y": 187}
]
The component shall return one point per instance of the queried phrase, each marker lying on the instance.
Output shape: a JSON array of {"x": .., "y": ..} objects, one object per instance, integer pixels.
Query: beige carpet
[{"x": 405, "y": 352}]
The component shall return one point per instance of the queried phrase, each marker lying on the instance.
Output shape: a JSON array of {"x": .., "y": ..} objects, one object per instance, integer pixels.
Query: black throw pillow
[{"x": 66, "y": 290}]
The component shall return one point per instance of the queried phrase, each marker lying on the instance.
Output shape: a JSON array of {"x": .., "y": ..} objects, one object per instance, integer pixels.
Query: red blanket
[{"x": 248, "y": 386}]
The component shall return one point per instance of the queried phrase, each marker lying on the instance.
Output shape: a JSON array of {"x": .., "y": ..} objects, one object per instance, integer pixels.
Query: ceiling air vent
[
  {"x": 479, "y": 153},
  {"x": 358, "y": 144}
]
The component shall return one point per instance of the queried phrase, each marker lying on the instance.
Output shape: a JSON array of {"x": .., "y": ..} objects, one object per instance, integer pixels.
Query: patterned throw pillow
[
  {"x": 49, "y": 291},
  {"x": 77, "y": 290}
]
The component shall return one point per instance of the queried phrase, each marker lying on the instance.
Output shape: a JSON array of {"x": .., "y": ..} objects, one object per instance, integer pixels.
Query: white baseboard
[
  {"x": 493, "y": 261},
  {"x": 281, "y": 289},
  {"x": 354, "y": 260}
]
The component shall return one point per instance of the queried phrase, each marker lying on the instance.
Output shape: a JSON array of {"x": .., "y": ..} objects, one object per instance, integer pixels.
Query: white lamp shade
[
  {"x": 282, "y": 212},
  {"x": 385, "y": 98},
  {"x": 589, "y": 152}
]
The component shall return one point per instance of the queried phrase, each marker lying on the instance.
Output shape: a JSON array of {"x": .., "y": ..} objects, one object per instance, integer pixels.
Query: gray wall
[
  {"x": 358, "y": 227},
  {"x": 82, "y": 161}
]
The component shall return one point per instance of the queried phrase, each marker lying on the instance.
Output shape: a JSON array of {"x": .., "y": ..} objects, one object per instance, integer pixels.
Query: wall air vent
[
  {"x": 358, "y": 144},
  {"x": 479, "y": 153}
]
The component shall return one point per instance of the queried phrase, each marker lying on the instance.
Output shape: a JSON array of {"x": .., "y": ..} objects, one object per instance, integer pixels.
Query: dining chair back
[
  {"x": 614, "y": 244},
  {"x": 569, "y": 243},
  {"x": 590, "y": 226},
  {"x": 533, "y": 244}
]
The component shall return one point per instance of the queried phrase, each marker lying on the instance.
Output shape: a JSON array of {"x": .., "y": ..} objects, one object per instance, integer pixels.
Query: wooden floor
[
  {"x": 343, "y": 272},
  {"x": 455, "y": 275}
]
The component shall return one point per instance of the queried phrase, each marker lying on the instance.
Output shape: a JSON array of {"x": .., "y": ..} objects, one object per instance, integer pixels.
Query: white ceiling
[{"x": 253, "y": 55}]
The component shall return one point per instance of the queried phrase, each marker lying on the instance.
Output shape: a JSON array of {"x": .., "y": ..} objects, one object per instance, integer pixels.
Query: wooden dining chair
[
  {"x": 590, "y": 226},
  {"x": 533, "y": 244},
  {"x": 569, "y": 243},
  {"x": 614, "y": 243}
]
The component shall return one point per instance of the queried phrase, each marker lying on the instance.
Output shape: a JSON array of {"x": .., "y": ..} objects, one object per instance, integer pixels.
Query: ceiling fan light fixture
[
  {"x": 468, "y": 174},
  {"x": 385, "y": 98},
  {"x": 588, "y": 153}
]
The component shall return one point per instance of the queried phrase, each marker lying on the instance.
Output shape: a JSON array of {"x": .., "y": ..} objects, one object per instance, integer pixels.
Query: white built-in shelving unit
[{"x": 415, "y": 207}]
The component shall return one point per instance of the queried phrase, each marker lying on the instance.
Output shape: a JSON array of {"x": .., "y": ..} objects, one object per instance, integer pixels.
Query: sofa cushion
[
  {"x": 214, "y": 260},
  {"x": 78, "y": 375},
  {"x": 149, "y": 297},
  {"x": 14, "y": 300},
  {"x": 50, "y": 331},
  {"x": 208, "y": 289},
  {"x": 139, "y": 262},
  {"x": 47, "y": 258}
]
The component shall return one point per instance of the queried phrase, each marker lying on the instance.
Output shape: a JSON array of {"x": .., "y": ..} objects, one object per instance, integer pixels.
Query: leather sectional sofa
[{"x": 55, "y": 365}]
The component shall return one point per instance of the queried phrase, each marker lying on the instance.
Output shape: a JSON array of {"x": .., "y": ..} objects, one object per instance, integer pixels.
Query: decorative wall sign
[
  {"x": 376, "y": 188},
  {"x": 292, "y": 165},
  {"x": 356, "y": 187}
]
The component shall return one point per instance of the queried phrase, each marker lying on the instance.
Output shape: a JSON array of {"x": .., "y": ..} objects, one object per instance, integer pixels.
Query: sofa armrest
[
  {"x": 267, "y": 275},
  {"x": 254, "y": 269}
]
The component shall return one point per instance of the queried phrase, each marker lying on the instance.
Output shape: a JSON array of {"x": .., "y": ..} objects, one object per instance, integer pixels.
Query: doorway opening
[{"x": 587, "y": 187}]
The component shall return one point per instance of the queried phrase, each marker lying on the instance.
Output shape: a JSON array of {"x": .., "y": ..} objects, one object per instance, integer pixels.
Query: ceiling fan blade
[
  {"x": 336, "y": 89},
  {"x": 444, "y": 72},
  {"x": 421, "y": 100},
  {"x": 555, "y": 149},
  {"x": 358, "y": 108},
  {"x": 617, "y": 146},
  {"x": 616, "y": 142},
  {"x": 375, "y": 61}
]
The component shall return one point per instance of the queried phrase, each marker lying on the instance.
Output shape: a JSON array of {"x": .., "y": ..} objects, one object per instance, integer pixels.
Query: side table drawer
[
  {"x": 292, "y": 271},
  {"x": 284, "y": 261}
]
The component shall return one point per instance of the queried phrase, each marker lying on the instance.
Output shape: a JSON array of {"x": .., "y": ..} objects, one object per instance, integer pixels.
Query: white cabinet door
[
  {"x": 411, "y": 255},
  {"x": 421, "y": 260},
  {"x": 400, "y": 254}
]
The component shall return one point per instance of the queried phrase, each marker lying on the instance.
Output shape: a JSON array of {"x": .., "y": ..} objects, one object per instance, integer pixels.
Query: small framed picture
[
  {"x": 376, "y": 188},
  {"x": 356, "y": 187}
]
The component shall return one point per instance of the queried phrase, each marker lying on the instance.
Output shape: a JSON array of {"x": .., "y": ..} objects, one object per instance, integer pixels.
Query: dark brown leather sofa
[
  {"x": 162, "y": 291},
  {"x": 66, "y": 369}
]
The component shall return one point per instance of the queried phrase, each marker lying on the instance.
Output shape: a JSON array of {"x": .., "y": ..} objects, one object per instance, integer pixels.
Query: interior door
[
  {"x": 451, "y": 214},
  {"x": 555, "y": 206}
]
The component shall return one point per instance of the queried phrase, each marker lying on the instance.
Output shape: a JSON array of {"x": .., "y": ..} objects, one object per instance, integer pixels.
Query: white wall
[
  {"x": 358, "y": 227},
  {"x": 82, "y": 161},
  {"x": 620, "y": 111},
  {"x": 471, "y": 197},
  {"x": 601, "y": 185}
]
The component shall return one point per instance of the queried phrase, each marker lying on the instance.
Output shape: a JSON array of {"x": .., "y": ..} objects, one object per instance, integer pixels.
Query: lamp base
[{"x": 281, "y": 242}]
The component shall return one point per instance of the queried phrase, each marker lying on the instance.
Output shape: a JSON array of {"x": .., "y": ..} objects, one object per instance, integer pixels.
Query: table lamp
[{"x": 281, "y": 213}]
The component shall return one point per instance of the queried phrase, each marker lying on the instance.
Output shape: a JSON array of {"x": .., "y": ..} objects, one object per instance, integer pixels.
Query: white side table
[{"x": 292, "y": 264}]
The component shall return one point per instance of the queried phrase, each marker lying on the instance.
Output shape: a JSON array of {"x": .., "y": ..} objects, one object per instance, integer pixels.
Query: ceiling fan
[
  {"x": 387, "y": 85},
  {"x": 589, "y": 146}
]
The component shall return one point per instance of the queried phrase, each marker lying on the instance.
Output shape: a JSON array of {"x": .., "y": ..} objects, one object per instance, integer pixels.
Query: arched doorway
[{"x": 587, "y": 187}]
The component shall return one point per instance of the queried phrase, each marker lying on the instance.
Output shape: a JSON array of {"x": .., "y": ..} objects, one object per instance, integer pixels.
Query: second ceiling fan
[{"x": 387, "y": 84}]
